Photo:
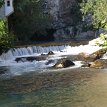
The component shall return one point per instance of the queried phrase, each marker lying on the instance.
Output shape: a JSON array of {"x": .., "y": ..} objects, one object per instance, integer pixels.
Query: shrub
[{"x": 6, "y": 38}]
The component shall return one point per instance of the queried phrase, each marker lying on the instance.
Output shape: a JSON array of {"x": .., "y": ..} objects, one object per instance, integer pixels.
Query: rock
[
  {"x": 97, "y": 55},
  {"x": 49, "y": 62},
  {"x": 3, "y": 70},
  {"x": 30, "y": 58},
  {"x": 100, "y": 63},
  {"x": 86, "y": 64},
  {"x": 18, "y": 59},
  {"x": 50, "y": 53},
  {"x": 82, "y": 56},
  {"x": 96, "y": 64},
  {"x": 92, "y": 57},
  {"x": 85, "y": 35},
  {"x": 63, "y": 63}
]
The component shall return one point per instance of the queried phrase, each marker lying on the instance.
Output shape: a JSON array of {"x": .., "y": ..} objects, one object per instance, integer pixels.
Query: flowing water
[
  {"x": 34, "y": 84},
  {"x": 69, "y": 88}
]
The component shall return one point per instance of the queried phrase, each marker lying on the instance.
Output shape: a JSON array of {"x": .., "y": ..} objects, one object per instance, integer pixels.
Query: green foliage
[
  {"x": 98, "y": 10},
  {"x": 103, "y": 38},
  {"x": 5, "y": 38},
  {"x": 1, "y": 3},
  {"x": 28, "y": 18}
]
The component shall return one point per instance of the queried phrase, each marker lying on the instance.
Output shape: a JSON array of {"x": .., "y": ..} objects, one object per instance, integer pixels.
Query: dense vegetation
[
  {"x": 29, "y": 21},
  {"x": 96, "y": 10},
  {"x": 6, "y": 39}
]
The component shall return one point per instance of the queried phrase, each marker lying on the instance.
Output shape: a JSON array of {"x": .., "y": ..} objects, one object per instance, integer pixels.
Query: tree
[
  {"x": 5, "y": 37},
  {"x": 28, "y": 19},
  {"x": 1, "y": 3},
  {"x": 97, "y": 9}
]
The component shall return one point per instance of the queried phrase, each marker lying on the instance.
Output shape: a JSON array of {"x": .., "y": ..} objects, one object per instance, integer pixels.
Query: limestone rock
[
  {"x": 100, "y": 63},
  {"x": 96, "y": 64},
  {"x": 97, "y": 55}
]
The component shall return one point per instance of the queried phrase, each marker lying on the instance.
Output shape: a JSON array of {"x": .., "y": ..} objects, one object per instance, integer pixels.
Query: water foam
[{"x": 14, "y": 68}]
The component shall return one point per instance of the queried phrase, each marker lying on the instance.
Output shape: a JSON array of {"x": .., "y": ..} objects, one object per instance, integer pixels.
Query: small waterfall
[{"x": 12, "y": 53}]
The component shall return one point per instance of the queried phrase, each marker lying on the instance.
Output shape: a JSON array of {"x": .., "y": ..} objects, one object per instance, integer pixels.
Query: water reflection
[{"x": 73, "y": 88}]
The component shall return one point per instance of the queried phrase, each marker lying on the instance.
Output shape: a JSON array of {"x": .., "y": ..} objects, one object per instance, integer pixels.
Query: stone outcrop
[
  {"x": 92, "y": 57},
  {"x": 66, "y": 19},
  {"x": 97, "y": 64}
]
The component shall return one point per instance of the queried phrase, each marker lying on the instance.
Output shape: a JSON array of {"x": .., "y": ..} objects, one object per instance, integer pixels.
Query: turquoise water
[{"x": 72, "y": 88}]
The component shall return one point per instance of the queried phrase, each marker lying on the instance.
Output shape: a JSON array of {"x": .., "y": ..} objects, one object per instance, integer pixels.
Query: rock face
[
  {"x": 63, "y": 63},
  {"x": 66, "y": 19}
]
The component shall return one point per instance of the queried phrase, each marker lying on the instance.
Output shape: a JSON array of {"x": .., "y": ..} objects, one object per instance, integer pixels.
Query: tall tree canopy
[
  {"x": 98, "y": 11},
  {"x": 5, "y": 38},
  {"x": 1, "y": 3},
  {"x": 28, "y": 18}
]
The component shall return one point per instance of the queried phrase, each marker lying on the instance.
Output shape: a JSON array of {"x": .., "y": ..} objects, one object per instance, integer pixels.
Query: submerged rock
[
  {"x": 63, "y": 63},
  {"x": 30, "y": 58},
  {"x": 50, "y": 53},
  {"x": 49, "y": 62},
  {"x": 3, "y": 70}
]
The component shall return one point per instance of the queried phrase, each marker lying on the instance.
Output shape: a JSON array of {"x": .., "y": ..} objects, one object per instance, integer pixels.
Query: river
[
  {"x": 64, "y": 88},
  {"x": 36, "y": 84}
]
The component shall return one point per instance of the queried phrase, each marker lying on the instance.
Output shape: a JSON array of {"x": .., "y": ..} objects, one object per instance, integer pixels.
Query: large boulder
[
  {"x": 92, "y": 57},
  {"x": 63, "y": 63},
  {"x": 97, "y": 55},
  {"x": 100, "y": 63},
  {"x": 97, "y": 64},
  {"x": 83, "y": 56}
]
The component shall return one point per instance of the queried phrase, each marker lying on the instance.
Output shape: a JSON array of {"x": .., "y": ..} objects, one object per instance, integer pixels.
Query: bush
[
  {"x": 28, "y": 19},
  {"x": 6, "y": 38}
]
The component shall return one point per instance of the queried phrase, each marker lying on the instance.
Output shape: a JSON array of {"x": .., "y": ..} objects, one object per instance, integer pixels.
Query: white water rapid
[{"x": 7, "y": 60}]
